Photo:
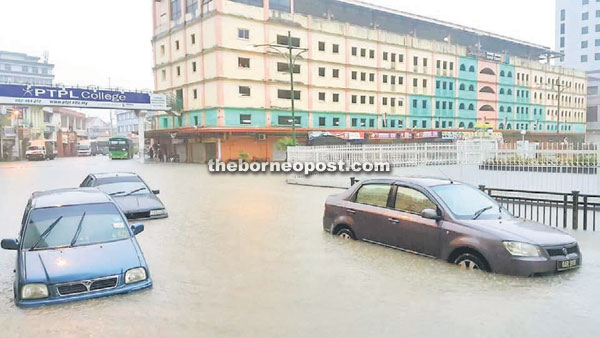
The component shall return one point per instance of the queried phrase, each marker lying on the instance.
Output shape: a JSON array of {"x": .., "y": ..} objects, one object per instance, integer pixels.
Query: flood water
[{"x": 246, "y": 256}]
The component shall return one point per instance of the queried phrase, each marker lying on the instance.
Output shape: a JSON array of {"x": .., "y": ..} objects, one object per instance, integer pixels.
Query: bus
[{"x": 120, "y": 148}]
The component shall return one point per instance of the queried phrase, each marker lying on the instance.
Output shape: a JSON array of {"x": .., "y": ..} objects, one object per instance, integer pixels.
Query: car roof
[
  {"x": 114, "y": 174},
  {"x": 426, "y": 181},
  {"x": 68, "y": 196}
]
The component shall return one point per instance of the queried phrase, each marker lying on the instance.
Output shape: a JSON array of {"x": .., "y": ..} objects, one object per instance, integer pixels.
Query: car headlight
[
  {"x": 157, "y": 212},
  {"x": 34, "y": 291},
  {"x": 522, "y": 249},
  {"x": 135, "y": 275}
]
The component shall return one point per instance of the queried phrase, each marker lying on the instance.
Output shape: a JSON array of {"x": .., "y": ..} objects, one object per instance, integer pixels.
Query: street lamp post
[{"x": 292, "y": 53}]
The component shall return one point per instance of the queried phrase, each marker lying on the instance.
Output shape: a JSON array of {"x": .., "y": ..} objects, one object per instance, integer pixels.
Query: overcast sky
[{"x": 90, "y": 41}]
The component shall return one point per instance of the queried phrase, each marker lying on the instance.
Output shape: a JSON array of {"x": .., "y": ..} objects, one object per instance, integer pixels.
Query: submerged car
[
  {"x": 449, "y": 220},
  {"x": 131, "y": 193},
  {"x": 75, "y": 244}
]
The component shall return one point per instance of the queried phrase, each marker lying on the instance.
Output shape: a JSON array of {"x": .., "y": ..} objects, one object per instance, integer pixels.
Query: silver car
[{"x": 449, "y": 220}]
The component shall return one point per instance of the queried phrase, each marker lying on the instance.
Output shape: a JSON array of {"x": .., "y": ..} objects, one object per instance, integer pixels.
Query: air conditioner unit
[{"x": 261, "y": 137}]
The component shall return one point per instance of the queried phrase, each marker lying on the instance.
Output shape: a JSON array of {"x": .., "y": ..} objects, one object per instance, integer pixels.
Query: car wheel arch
[
  {"x": 341, "y": 226},
  {"x": 465, "y": 249}
]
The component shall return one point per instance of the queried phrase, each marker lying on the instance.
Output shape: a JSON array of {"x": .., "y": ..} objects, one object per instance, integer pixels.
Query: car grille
[
  {"x": 137, "y": 215},
  {"x": 87, "y": 285},
  {"x": 560, "y": 250}
]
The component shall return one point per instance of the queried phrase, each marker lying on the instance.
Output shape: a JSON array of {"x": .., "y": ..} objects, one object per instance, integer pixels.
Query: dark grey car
[
  {"x": 130, "y": 192},
  {"x": 449, "y": 220}
]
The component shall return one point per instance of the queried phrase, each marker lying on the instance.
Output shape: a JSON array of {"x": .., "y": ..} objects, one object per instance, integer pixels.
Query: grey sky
[{"x": 90, "y": 41}]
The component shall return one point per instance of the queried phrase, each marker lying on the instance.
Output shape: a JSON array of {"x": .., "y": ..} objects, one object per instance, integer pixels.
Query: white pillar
[{"x": 141, "y": 139}]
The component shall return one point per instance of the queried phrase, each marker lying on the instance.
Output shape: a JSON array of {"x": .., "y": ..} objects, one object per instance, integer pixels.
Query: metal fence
[{"x": 567, "y": 210}]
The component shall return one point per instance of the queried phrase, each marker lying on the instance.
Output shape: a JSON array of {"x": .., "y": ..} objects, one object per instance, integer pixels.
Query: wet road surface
[{"x": 245, "y": 256}]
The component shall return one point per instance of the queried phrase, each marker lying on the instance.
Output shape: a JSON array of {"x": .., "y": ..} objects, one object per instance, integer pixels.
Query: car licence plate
[{"x": 567, "y": 264}]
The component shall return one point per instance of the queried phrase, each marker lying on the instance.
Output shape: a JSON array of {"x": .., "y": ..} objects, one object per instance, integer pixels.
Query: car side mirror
[
  {"x": 10, "y": 244},
  {"x": 137, "y": 228},
  {"x": 156, "y": 192},
  {"x": 430, "y": 214}
]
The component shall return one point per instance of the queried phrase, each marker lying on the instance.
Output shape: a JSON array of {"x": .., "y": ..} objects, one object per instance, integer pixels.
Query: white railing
[{"x": 475, "y": 152}]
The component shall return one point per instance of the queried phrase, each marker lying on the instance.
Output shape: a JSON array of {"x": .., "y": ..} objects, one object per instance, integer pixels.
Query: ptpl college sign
[{"x": 29, "y": 95}]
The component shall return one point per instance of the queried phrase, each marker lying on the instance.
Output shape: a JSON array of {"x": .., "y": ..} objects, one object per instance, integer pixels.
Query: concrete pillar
[{"x": 141, "y": 138}]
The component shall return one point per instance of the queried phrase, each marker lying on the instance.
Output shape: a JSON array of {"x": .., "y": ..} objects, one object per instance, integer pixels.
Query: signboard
[
  {"x": 383, "y": 136},
  {"x": 29, "y": 95}
]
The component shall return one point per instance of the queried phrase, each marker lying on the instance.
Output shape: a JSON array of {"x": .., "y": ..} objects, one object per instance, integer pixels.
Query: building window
[
  {"x": 280, "y": 5},
  {"x": 371, "y": 54},
  {"x": 371, "y": 99},
  {"x": 354, "y": 51},
  {"x": 336, "y": 121},
  {"x": 321, "y": 122},
  {"x": 336, "y": 73},
  {"x": 363, "y": 76},
  {"x": 322, "y": 71},
  {"x": 584, "y": 58},
  {"x": 363, "y": 99},
  {"x": 244, "y": 90},
  {"x": 196, "y": 120},
  {"x": 178, "y": 70},
  {"x": 384, "y": 101},
  {"x": 584, "y": 30},
  {"x": 284, "y": 41},
  {"x": 353, "y": 99},
  {"x": 243, "y": 62},
  {"x": 372, "y": 77},
  {"x": 585, "y": 16},
  {"x": 321, "y": 46},
  {"x": 321, "y": 96},
  {"x": 162, "y": 49},
  {"x": 164, "y": 74},
  {"x": 243, "y": 33},
  {"x": 354, "y": 121},
  {"x": 562, "y": 28},
  {"x": 287, "y": 120},
  {"x": 597, "y": 28},
  {"x": 191, "y": 6},
  {"x": 176, "y": 44},
  {"x": 562, "y": 42},
  {"x": 416, "y": 61},
  {"x": 193, "y": 66},
  {"x": 354, "y": 75},
  {"x": 335, "y": 48},
  {"x": 597, "y": 56},
  {"x": 363, "y": 52},
  {"x": 286, "y": 94},
  {"x": 175, "y": 9},
  {"x": 385, "y": 56},
  {"x": 336, "y": 97},
  {"x": 385, "y": 78},
  {"x": 193, "y": 38},
  {"x": 584, "y": 44},
  {"x": 245, "y": 119},
  {"x": 284, "y": 67},
  {"x": 393, "y": 57}
]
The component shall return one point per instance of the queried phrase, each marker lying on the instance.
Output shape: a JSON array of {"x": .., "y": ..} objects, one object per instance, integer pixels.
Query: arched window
[
  {"x": 461, "y": 125},
  {"x": 463, "y": 68},
  {"x": 509, "y": 92},
  {"x": 487, "y": 89},
  {"x": 501, "y": 91},
  {"x": 487, "y": 71},
  {"x": 509, "y": 75},
  {"x": 501, "y": 126},
  {"x": 509, "y": 109},
  {"x": 471, "y": 88},
  {"x": 508, "y": 126},
  {"x": 502, "y": 73},
  {"x": 472, "y": 69},
  {"x": 461, "y": 106},
  {"x": 502, "y": 109},
  {"x": 486, "y": 107},
  {"x": 471, "y": 107},
  {"x": 462, "y": 86},
  {"x": 470, "y": 125}
]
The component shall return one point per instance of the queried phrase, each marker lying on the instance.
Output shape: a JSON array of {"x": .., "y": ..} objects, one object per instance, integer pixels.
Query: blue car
[{"x": 75, "y": 244}]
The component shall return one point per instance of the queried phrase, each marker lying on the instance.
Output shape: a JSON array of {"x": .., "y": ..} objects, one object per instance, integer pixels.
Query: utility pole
[{"x": 292, "y": 55}]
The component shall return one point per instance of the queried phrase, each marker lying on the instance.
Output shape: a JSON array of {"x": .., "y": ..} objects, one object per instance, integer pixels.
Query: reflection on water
[{"x": 245, "y": 256}]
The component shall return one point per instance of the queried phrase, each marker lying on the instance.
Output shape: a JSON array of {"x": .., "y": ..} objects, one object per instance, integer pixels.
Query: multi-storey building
[
  {"x": 25, "y": 69},
  {"x": 127, "y": 122},
  {"x": 368, "y": 70},
  {"x": 578, "y": 38},
  {"x": 96, "y": 127}
]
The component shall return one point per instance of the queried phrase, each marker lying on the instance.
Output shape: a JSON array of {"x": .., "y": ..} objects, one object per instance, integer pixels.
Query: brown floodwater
[{"x": 246, "y": 256}]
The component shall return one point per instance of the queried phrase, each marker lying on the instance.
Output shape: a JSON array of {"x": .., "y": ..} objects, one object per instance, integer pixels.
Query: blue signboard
[{"x": 79, "y": 97}]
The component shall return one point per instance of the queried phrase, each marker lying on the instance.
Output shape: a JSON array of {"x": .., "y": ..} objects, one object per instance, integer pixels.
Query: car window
[
  {"x": 99, "y": 223},
  {"x": 373, "y": 194},
  {"x": 413, "y": 201}
]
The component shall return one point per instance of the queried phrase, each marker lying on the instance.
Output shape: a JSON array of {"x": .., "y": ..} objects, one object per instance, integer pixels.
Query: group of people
[{"x": 156, "y": 153}]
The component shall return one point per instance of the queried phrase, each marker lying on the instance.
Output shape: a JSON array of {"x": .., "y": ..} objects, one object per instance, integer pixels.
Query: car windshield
[
  {"x": 124, "y": 188},
  {"x": 35, "y": 148},
  {"x": 74, "y": 225},
  {"x": 84, "y": 147},
  {"x": 466, "y": 202}
]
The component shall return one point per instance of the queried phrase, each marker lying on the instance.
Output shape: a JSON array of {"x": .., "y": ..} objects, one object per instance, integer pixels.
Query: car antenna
[{"x": 446, "y": 176}]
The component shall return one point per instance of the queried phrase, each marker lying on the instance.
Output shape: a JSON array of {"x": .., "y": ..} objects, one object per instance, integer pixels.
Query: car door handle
[
  {"x": 393, "y": 220},
  {"x": 351, "y": 211}
]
